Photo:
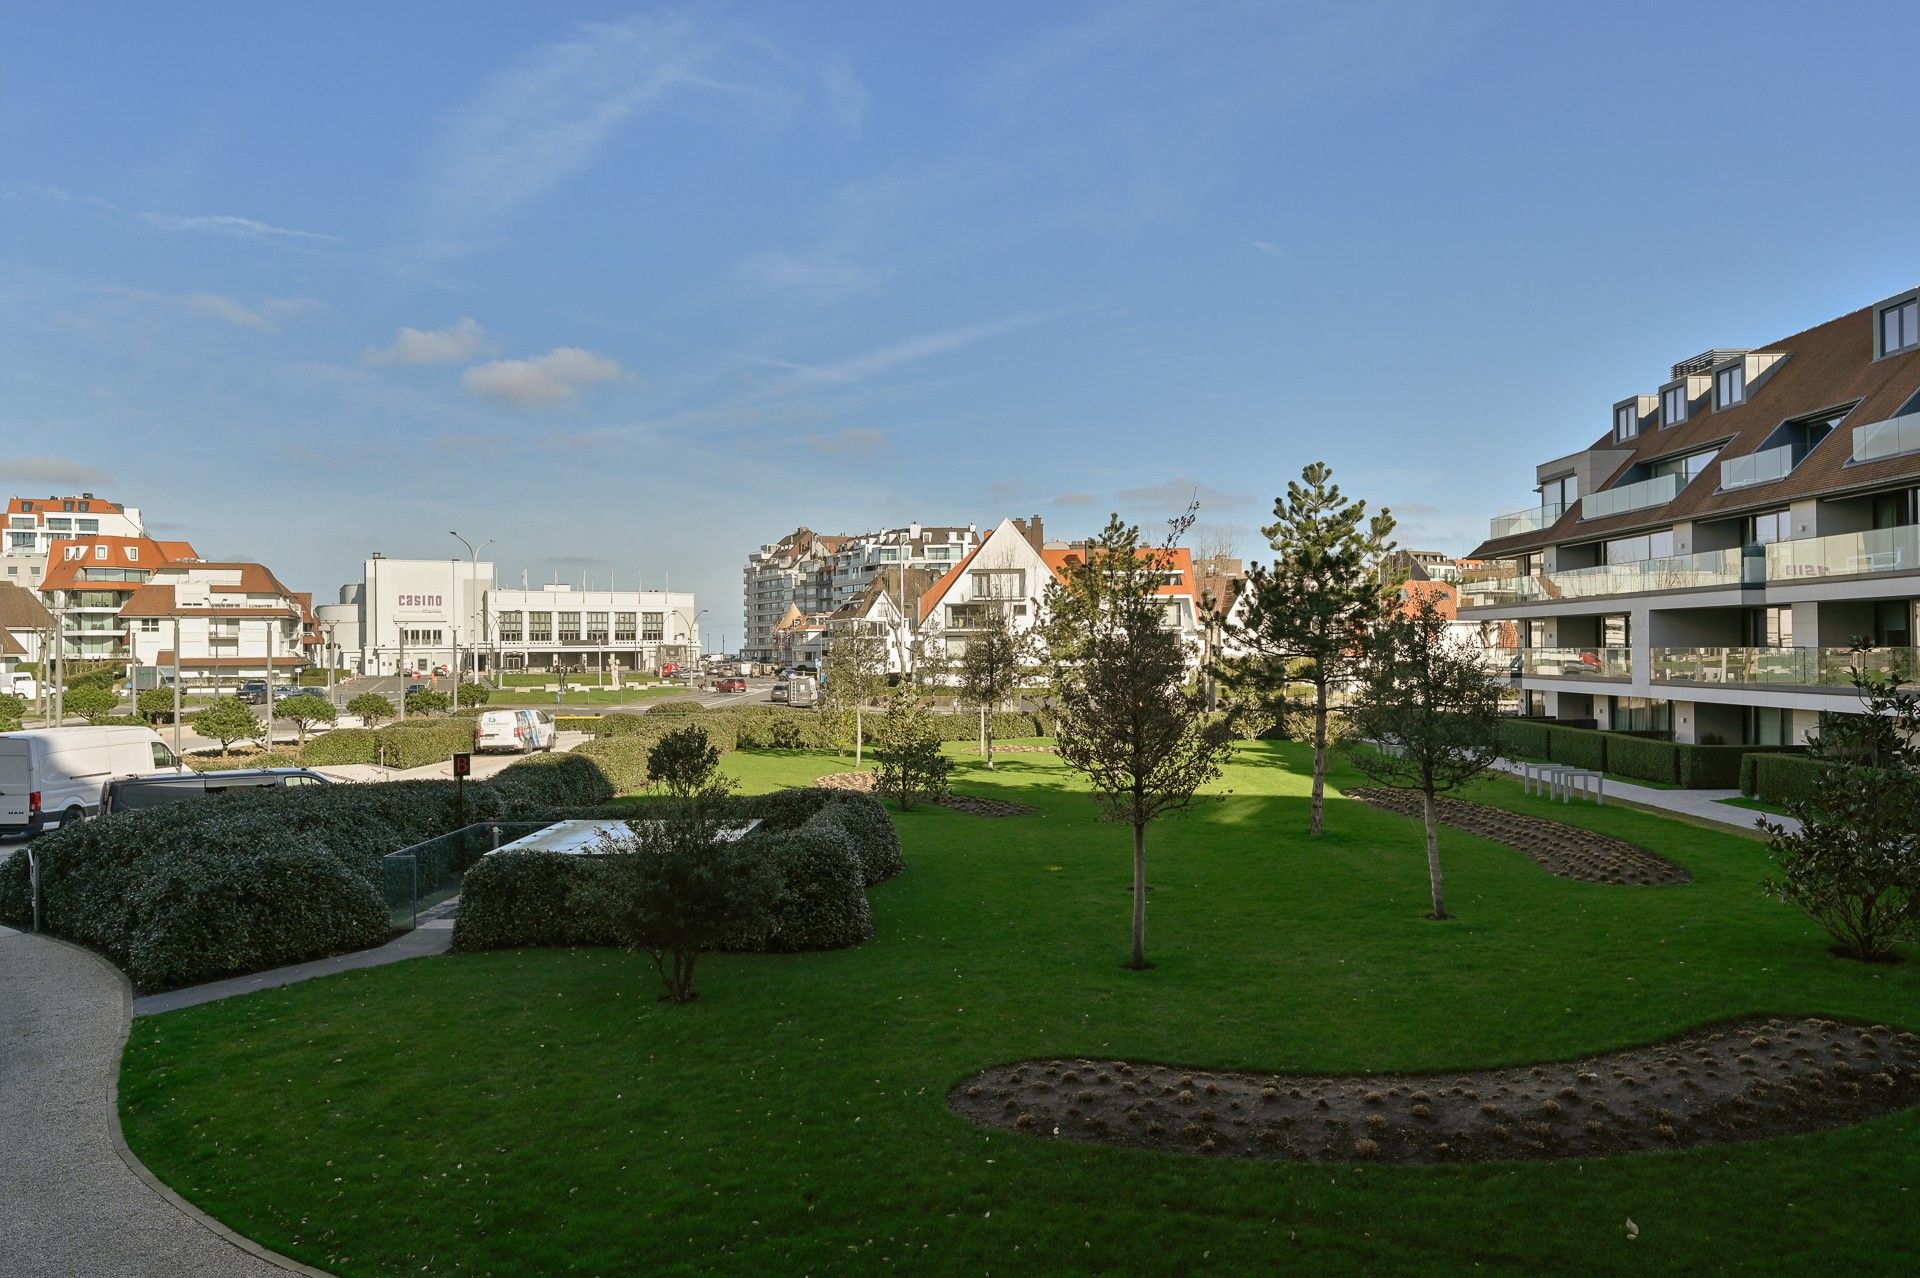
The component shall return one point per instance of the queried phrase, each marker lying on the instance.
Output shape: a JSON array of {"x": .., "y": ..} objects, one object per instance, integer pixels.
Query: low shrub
[
  {"x": 623, "y": 760},
  {"x": 415, "y": 744},
  {"x": 1718, "y": 767},
  {"x": 542, "y": 782},
  {"x": 1780, "y": 779},
  {"x": 1644, "y": 758},
  {"x": 340, "y": 746},
  {"x": 251, "y": 759},
  {"x": 679, "y": 705}
]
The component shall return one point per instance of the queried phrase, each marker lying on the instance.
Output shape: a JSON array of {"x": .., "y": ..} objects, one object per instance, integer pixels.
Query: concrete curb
[{"x": 132, "y": 1160}]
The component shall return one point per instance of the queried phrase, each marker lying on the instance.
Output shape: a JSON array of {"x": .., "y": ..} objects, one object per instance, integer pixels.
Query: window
[
  {"x": 1633, "y": 550},
  {"x": 999, "y": 583},
  {"x": 653, "y": 627},
  {"x": 1765, "y": 529},
  {"x": 1769, "y": 726},
  {"x": 59, "y": 525},
  {"x": 1900, "y": 326},
  {"x": 1686, "y": 467},
  {"x": 22, "y": 541},
  {"x": 540, "y": 627},
  {"x": 1616, "y": 630},
  {"x": 1639, "y": 714},
  {"x": 99, "y": 552},
  {"x": 163, "y": 757},
  {"x": 624, "y": 626},
  {"x": 1559, "y": 494},
  {"x": 1896, "y": 509},
  {"x": 20, "y": 521},
  {"x": 149, "y": 625},
  {"x": 597, "y": 627},
  {"x": 1626, "y": 422},
  {"x": 1893, "y": 623},
  {"x": 510, "y": 627},
  {"x": 133, "y": 554},
  {"x": 1770, "y": 627},
  {"x": 1730, "y": 386},
  {"x": 1673, "y": 405},
  {"x": 569, "y": 627},
  {"x": 89, "y": 525}
]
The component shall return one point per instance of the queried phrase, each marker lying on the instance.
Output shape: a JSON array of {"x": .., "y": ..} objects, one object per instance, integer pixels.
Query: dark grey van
[{"x": 133, "y": 793}]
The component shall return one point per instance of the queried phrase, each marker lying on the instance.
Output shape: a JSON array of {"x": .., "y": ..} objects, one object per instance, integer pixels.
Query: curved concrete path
[{"x": 73, "y": 1199}]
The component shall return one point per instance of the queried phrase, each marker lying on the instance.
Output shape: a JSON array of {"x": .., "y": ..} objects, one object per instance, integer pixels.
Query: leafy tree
[
  {"x": 995, "y": 654},
  {"x": 684, "y": 761},
  {"x": 1311, "y": 610},
  {"x": 91, "y": 701},
  {"x": 673, "y": 888},
  {"x": 473, "y": 694},
  {"x": 372, "y": 707},
  {"x": 1426, "y": 718},
  {"x": 1126, "y": 717},
  {"x": 304, "y": 711},
  {"x": 226, "y": 720},
  {"x": 1854, "y": 864},
  {"x": 852, "y": 674},
  {"x": 427, "y": 701},
  {"x": 912, "y": 766},
  {"x": 155, "y": 705}
]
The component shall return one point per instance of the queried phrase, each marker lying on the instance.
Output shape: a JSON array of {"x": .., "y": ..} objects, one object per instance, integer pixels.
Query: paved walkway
[
  {"x": 74, "y": 1201},
  {"x": 1703, "y": 804}
]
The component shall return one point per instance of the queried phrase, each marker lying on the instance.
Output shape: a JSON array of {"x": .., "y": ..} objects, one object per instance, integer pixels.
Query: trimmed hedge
[
  {"x": 829, "y": 847},
  {"x": 1642, "y": 758},
  {"x": 238, "y": 882},
  {"x": 342, "y": 745},
  {"x": 1578, "y": 747},
  {"x": 1780, "y": 779},
  {"x": 1523, "y": 738},
  {"x": 415, "y": 744}
]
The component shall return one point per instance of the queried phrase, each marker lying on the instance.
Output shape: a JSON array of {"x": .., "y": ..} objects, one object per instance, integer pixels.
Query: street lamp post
[{"x": 473, "y": 578}]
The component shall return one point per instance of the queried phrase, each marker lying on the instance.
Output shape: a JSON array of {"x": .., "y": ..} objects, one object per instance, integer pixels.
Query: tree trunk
[
  {"x": 859, "y": 728},
  {"x": 1319, "y": 757},
  {"x": 1139, "y": 961},
  {"x": 1433, "y": 858}
]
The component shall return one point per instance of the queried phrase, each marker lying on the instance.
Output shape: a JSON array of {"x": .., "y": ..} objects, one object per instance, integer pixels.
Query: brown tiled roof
[
  {"x": 156, "y": 600},
  {"x": 1828, "y": 366},
  {"x": 64, "y": 573},
  {"x": 55, "y": 506},
  {"x": 164, "y": 660},
  {"x": 21, "y": 610}
]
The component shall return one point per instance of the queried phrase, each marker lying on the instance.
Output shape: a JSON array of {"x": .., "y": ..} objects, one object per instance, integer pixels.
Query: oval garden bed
[
  {"x": 1565, "y": 850},
  {"x": 1739, "y": 1081}
]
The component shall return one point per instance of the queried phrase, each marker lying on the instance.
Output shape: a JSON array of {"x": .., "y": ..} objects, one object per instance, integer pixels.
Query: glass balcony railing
[
  {"x": 1581, "y": 663},
  {"x": 1761, "y": 467},
  {"x": 1795, "y": 667},
  {"x": 1526, "y": 519},
  {"x": 1618, "y": 501},
  {"x": 1882, "y": 550},
  {"x": 1896, "y": 435},
  {"x": 1676, "y": 572}
]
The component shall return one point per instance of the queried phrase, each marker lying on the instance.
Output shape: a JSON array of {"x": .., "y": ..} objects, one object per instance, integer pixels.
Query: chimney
[{"x": 1035, "y": 532}]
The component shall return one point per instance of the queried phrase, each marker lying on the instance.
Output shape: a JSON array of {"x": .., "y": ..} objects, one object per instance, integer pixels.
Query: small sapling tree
[
  {"x": 305, "y": 710},
  {"x": 155, "y": 705},
  {"x": 684, "y": 761},
  {"x": 371, "y": 707},
  {"x": 1310, "y": 611},
  {"x": 91, "y": 701},
  {"x": 1426, "y": 718},
  {"x": 473, "y": 694},
  {"x": 226, "y": 720},
  {"x": 427, "y": 701},
  {"x": 852, "y": 674},
  {"x": 912, "y": 767},
  {"x": 1854, "y": 864},
  {"x": 1126, "y": 717}
]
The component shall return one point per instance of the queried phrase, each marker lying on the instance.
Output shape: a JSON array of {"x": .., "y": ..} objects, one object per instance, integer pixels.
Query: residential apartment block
[
  {"x": 218, "y": 623},
  {"x": 1705, "y": 566},
  {"x": 817, "y": 574},
  {"x": 89, "y": 581},
  {"x": 35, "y": 523}
]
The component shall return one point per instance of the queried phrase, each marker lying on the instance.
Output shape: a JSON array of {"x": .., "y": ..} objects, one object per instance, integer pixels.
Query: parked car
[
  {"x": 284, "y": 690},
  {"x": 53, "y": 777},
  {"x": 415, "y": 687},
  {"x": 520, "y": 731},
  {"x": 779, "y": 692},
  {"x": 733, "y": 684},
  {"x": 133, "y": 793},
  {"x": 253, "y": 692}
]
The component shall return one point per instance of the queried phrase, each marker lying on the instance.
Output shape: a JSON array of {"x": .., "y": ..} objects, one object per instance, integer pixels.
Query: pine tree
[{"x": 1311, "y": 610}]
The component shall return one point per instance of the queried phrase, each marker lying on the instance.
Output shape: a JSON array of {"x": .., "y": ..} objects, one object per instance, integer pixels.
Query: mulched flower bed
[
  {"x": 1738, "y": 1081},
  {"x": 864, "y": 783},
  {"x": 1565, "y": 850}
]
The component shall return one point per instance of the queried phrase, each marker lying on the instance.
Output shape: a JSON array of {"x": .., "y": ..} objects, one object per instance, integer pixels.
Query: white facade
[
  {"x": 414, "y": 612},
  {"x": 818, "y": 574},
  {"x": 35, "y": 523},
  {"x": 216, "y": 623},
  {"x": 560, "y": 627}
]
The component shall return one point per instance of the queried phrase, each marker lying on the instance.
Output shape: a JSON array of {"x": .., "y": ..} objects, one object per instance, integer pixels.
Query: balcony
[
  {"x": 1526, "y": 519},
  {"x": 1657, "y": 491},
  {"x": 1875, "y": 440},
  {"x": 1762, "y": 467},
  {"x": 1677, "y": 572},
  {"x": 1792, "y": 667},
  {"x": 1845, "y": 554},
  {"x": 1577, "y": 663}
]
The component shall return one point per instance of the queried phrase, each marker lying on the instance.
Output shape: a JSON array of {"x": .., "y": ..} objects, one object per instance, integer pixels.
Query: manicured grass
[
  {"x": 1755, "y": 805},
  {"x": 538, "y": 1112},
  {"x": 587, "y": 696}
]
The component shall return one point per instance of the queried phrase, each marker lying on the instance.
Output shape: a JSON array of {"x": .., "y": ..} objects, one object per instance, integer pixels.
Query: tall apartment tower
[
  {"x": 815, "y": 573},
  {"x": 1706, "y": 566}
]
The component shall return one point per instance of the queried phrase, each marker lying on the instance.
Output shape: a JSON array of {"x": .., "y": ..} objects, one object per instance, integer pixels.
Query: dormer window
[
  {"x": 99, "y": 552},
  {"x": 1626, "y": 422},
  {"x": 1730, "y": 386},
  {"x": 1899, "y": 327},
  {"x": 133, "y": 554},
  {"x": 1673, "y": 405}
]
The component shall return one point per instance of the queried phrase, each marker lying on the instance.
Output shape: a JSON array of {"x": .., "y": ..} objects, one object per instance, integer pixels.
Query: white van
[
  {"x": 521, "y": 731},
  {"x": 52, "y": 777}
]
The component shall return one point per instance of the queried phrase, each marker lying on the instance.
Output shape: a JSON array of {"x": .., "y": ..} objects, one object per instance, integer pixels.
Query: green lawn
[
  {"x": 1755, "y": 805},
  {"x": 538, "y": 1112},
  {"x": 575, "y": 696}
]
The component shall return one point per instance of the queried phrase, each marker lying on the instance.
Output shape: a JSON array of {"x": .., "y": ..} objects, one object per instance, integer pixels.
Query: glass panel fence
[
  {"x": 1890, "y": 438},
  {"x": 1802, "y": 667},
  {"x": 1569, "y": 663},
  {"x": 1882, "y": 550}
]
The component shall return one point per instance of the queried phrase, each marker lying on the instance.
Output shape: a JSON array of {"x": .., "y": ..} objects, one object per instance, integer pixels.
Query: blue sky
[{"x": 632, "y": 290}]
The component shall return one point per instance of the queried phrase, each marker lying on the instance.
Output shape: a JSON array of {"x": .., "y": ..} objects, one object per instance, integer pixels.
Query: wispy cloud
[
  {"x": 200, "y": 223},
  {"x": 1074, "y": 499},
  {"x": 263, "y": 316},
  {"x": 1178, "y": 492},
  {"x": 821, "y": 276},
  {"x": 536, "y": 125},
  {"x": 1271, "y": 250},
  {"x": 459, "y": 341},
  {"x": 552, "y": 378},
  {"x": 58, "y": 471},
  {"x": 854, "y": 440},
  {"x": 912, "y": 350}
]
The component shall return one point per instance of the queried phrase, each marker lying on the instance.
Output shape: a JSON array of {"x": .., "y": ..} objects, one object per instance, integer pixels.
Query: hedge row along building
[{"x": 1707, "y": 564}]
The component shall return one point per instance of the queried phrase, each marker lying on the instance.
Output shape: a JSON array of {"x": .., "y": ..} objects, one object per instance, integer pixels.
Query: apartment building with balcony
[
  {"x": 817, "y": 574},
  {"x": 1706, "y": 566},
  {"x": 215, "y": 623},
  {"x": 89, "y": 581},
  {"x": 35, "y": 523}
]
